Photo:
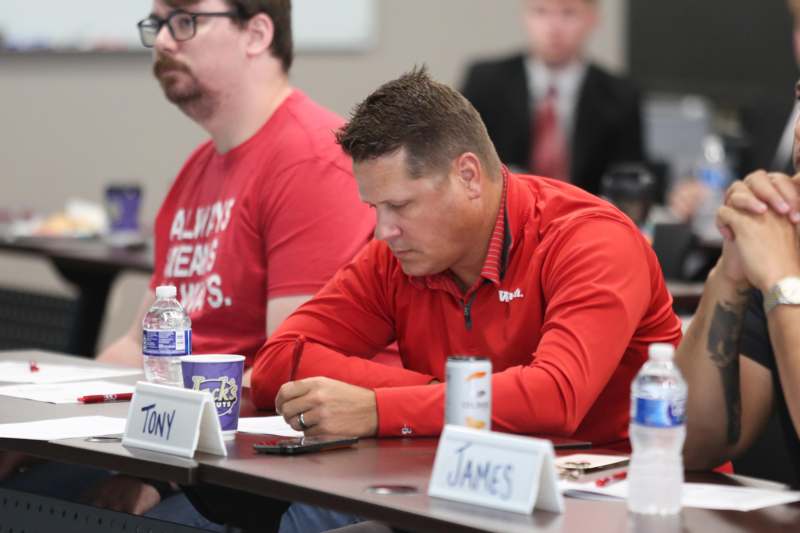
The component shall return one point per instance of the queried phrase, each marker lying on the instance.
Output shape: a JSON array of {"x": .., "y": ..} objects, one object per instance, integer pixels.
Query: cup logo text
[{"x": 223, "y": 389}]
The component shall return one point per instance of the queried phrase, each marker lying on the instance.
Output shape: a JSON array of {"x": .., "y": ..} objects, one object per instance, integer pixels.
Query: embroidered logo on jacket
[{"x": 506, "y": 296}]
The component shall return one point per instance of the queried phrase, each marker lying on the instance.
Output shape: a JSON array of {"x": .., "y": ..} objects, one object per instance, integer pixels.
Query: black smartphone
[{"x": 295, "y": 445}]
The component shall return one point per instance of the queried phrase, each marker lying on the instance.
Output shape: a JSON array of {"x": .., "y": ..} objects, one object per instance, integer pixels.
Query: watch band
[
  {"x": 785, "y": 292},
  {"x": 770, "y": 300}
]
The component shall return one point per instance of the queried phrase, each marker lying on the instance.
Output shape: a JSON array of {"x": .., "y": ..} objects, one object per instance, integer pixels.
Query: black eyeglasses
[{"x": 182, "y": 25}]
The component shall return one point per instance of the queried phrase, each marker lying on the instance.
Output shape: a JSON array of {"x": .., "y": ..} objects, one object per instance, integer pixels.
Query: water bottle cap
[
  {"x": 166, "y": 291},
  {"x": 713, "y": 149},
  {"x": 662, "y": 351}
]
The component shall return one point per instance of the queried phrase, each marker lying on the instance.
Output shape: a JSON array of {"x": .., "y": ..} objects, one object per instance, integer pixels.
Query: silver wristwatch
[{"x": 786, "y": 291}]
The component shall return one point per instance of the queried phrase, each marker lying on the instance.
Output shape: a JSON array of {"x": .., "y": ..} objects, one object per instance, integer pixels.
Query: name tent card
[
  {"x": 173, "y": 420},
  {"x": 497, "y": 470}
]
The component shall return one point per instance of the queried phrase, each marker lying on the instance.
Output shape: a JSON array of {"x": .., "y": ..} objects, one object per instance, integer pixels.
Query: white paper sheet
[
  {"x": 63, "y": 392},
  {"x": 701, "y": 495},
  {"x": 63, "y": 428},
  {"x": 268, "y": 425},
  {"x": 20, "y": 372},
  {"x": 591, "y": 460}
]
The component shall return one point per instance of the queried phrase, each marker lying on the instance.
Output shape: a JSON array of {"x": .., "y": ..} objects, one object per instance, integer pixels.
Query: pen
[
  {"x": 103, "y": 398},
  {"x": 296, "y": 355},
  {"x": 33, "y": 366},
  {"x": 619, "y": 476}
]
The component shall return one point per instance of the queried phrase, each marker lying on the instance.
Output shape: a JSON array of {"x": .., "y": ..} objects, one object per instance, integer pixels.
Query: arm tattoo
[{"x": 723, "y": 348}]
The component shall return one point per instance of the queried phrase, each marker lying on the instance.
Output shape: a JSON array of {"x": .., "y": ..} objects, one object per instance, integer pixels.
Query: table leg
[{"x": 94, "y": 288}]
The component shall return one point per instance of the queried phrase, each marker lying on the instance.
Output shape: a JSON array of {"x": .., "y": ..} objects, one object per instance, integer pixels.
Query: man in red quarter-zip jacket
[{"x": 556, "y": 286}]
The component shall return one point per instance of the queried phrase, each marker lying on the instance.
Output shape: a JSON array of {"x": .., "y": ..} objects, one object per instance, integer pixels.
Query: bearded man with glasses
[
  {"x": 258, "y": 218},
  {"x": 262, "y": 214}
]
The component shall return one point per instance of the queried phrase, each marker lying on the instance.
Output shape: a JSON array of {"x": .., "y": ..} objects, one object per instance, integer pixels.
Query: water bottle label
[
  {"x": 659, "y": 413},
  {"x": 716, "y": 178},
  {"x": 171, "y": 342}
]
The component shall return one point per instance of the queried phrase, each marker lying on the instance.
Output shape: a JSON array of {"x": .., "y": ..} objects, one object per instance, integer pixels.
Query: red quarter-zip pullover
[{"x": 578, "y": 298}]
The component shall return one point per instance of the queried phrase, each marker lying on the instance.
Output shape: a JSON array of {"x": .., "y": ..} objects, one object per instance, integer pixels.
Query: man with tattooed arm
[{"x": 741, "y": 354}]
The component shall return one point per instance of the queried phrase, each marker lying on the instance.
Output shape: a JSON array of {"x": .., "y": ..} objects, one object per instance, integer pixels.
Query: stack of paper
[
  {"x": 64, "y": 392},
  {"x": 63, "y": 428},
  {"x": 268, "y": 425},
  {"x": 702, "y": 495},
  {"x": 31, "y": 372}
]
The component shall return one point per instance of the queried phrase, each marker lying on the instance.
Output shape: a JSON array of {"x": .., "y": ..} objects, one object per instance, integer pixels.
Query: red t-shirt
[
  {"x": 275, "y": 216},
  {"x": 567, "y": 324}
]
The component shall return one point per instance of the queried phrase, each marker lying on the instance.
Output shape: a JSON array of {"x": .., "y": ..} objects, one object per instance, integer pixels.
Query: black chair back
[{"x": 672, "y": 244}]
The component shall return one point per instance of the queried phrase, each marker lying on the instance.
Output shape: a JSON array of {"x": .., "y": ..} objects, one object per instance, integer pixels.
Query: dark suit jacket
[
  {"x": 607, "y": 127},
  {"x": 764, "y": 123}
]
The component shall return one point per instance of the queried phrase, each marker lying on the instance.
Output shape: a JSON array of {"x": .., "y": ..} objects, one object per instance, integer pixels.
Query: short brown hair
[
  {"x": 433, "y": 122},
  {"x": 280, "y": 11}
]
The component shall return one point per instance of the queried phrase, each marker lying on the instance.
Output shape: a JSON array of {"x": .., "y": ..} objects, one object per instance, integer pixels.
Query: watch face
[{"x": 789, "y": 290}]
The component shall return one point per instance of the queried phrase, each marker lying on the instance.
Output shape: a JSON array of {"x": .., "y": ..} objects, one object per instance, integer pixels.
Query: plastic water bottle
[
  {"x": 657, "y": 432},
  {"x": 166, "y": 336},
  {"x": 715, "y": 175}
]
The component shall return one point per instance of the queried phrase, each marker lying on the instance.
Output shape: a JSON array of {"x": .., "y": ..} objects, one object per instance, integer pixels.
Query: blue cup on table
[
  {"x": 221, "y": 376},
  {"x": 122, "y": 204}
]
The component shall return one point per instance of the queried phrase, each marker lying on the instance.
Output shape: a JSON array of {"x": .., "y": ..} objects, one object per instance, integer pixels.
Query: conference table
[
  {"x": 355, "y": 480},
  {"x": 91, "y": 265}
]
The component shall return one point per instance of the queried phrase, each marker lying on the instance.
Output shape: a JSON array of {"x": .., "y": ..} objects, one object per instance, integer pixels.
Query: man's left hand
[
  {"x": 767, "y": 245},
  {"x": 329, "y": 407},
  {"x": 761, "y": 190}
]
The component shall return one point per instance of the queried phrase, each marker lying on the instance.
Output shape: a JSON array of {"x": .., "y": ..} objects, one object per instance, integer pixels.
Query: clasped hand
[{"x": 758, "y": 223}]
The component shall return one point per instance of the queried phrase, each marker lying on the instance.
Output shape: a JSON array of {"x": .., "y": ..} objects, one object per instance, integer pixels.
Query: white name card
[
  {"x": 173, "y": 420},
  {"x": 497, "y": 470}
]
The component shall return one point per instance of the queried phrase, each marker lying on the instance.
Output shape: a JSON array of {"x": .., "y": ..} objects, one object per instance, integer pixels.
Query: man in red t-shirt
[
  {"x": 556, "y": 286},
  {"x": 262, "y": 214}
]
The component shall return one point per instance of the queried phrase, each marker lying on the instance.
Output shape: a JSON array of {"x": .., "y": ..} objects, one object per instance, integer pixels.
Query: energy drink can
[{"x": 469, "y": 392}]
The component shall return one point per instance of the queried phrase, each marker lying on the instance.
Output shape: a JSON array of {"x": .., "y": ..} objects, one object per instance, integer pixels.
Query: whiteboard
[
  {"x": 103, "y": 25},
  {"x": 336, "y": 25}
]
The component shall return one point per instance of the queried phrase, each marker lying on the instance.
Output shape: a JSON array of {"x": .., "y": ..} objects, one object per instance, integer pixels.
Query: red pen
[
  {"x": 103, "y": 398},
  {"x": 619, "y": 476},
  {"x": 297, "y": 353},
  {"x": 33, "y": 366}
]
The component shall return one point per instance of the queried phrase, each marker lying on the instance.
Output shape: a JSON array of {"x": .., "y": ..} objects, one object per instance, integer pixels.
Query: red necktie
[{"x": 549, "y": 149}]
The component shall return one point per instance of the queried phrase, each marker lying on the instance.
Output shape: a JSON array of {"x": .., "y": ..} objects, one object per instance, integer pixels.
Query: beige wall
[{"x": 72, "y": 123}]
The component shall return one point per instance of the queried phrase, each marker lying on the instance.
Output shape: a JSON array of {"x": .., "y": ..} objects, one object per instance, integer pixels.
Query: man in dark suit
[{"x": 549, "y": 110}]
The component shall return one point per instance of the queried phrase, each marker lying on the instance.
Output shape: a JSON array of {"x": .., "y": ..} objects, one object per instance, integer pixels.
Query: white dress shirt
[
  {"x": 567, "y": 82},
  {"x": 783, "y": 155}
]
